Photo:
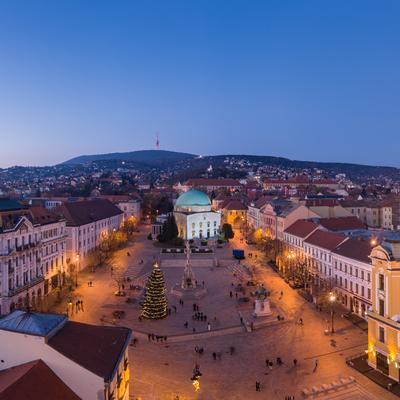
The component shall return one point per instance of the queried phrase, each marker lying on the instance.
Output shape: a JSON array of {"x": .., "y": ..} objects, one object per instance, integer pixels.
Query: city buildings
[{"x": 91, "y": 362}]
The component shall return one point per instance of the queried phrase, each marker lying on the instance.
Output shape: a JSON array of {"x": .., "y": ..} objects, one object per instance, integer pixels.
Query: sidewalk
[{"x": 360, "y": 364}]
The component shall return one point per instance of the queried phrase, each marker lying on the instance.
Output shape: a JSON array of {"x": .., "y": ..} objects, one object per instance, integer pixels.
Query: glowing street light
[{"x": 332, "y": 299}]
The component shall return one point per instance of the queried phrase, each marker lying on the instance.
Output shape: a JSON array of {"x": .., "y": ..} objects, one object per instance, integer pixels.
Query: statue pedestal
[{"x": 262, "y": 308}]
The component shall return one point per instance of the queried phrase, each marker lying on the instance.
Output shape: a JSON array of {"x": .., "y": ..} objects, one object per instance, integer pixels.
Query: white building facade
[
  {"x": 87, "y": 223},
  {"x": 32, "y": 259},
  {"x": 194, "y": 217}
]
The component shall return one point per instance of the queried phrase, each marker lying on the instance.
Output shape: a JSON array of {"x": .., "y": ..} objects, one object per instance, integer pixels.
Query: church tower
[{"x": 384, "y": 317}]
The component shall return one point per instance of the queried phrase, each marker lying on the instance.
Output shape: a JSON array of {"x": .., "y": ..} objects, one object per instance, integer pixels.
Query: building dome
[{"x": 193, "y": 200}]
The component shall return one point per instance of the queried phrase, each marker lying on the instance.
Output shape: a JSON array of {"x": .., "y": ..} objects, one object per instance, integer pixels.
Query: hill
[{"x": 154, "y": 158}]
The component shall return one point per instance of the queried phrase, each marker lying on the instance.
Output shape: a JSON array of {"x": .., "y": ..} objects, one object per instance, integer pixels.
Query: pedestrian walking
[
  {"x": 209, "y": 327},
  {"x": 267, "y": 363},
  {"x": 258, "y": 386},
  {"x": 230, "y": 294},
  {"x": 295, "y": 362},
  {"x": 214, "y": 355},
  {"x": 316, "y": 365}
]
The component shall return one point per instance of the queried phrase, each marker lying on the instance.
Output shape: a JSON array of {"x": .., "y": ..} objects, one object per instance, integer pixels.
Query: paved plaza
[{"x": 162, "y": 370}]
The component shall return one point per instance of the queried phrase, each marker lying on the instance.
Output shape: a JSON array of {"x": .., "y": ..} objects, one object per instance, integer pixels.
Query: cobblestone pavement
[{"x": 163, "y": 370}]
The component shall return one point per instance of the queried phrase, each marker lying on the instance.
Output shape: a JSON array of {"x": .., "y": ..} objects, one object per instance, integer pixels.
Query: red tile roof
[
  {"x": 324, "y": 202},
  {"x": 85, "y": 212},
  {"x": 355, "y": 249},
  {"x": 213, "y": 182},
  {"x": 32, "y": 381},
  {"x": 43, "y": 216},
  {"x": 301, "y": 228},
  {"x": 234, "y": 205},
  {"x": 325, "y": 240},
  {"x": 341, "y": 223},
  {"x": 96, "y": 348}
]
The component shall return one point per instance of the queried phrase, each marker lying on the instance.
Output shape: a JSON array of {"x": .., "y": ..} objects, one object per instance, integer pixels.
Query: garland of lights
[{"x": 155, "y": 301}]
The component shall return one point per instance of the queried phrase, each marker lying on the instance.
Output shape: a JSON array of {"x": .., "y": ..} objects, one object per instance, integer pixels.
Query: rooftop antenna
[{"x": 157, "y": 142}]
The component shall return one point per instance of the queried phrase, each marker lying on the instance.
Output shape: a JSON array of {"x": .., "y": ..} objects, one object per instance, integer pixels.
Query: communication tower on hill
[{"x": 157, "y": 142}]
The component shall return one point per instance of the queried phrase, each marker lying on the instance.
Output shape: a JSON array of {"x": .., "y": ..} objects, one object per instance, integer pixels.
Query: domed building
[{"x": 194, "y": 217}]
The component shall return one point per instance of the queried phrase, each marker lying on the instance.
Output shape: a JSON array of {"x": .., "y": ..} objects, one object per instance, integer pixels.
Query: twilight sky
[{"x": 311, "y": 80}]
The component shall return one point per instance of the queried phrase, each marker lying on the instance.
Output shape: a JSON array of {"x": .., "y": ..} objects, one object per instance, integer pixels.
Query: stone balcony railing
[{"x": 26, "y": 286}]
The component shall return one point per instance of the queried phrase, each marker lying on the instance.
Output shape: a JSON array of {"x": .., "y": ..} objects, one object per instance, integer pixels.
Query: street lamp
[
  {"x": 332, "y": 299},
  {"x": 76, "y": 269}
]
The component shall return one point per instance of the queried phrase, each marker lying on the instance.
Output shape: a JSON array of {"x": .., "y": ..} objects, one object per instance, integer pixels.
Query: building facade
[
  {"x": 194, "y": 217},
  {"x": 87, "y": 223},
  {"x": 384, "y": 316},
  {"x": 32, "y": 257}
]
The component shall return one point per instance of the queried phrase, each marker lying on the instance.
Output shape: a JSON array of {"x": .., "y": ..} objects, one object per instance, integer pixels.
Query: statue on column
[{"x": 188, "y": 279}]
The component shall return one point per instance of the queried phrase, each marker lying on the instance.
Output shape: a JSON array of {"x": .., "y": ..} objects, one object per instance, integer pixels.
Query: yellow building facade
[{"x": 384, "y": 317}]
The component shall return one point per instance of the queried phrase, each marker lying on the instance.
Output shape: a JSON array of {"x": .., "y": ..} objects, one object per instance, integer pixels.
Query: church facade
[{"x": 194, "y": 217}]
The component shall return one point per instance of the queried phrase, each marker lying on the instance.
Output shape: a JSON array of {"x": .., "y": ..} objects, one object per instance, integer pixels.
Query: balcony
[{"x": 26, "y": 286}]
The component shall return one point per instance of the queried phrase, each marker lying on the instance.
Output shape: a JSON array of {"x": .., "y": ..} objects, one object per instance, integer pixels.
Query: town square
[{"x": 199, "y": 200}]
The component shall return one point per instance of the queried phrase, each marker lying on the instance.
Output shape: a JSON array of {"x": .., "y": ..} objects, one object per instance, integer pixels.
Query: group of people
[
  {"x": 156, "y": 338},
  {"x": 78, "y": 305},
  {"x": 269, "y": 363}
]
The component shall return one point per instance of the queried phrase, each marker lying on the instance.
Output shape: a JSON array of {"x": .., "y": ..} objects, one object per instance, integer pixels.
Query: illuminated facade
[
  {"x": 194, "y": 217},
  {"x": 384, "y": 317}
]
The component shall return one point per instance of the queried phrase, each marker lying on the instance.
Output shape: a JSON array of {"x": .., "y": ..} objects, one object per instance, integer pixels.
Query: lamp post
[
  {"x": 76, "y": 269},
  {"x": 332, "y": 299}
]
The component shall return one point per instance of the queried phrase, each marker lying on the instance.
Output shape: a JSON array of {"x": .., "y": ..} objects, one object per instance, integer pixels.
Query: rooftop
[
  {"x": 325, "y": 240},
  {"x": 213, "y": 182},
  {"x": 234, "y": 205},
  {"x": 31, "y": 323},
  {"x": 7, "y": 204},
  {"x": 341, "y": 223},
  {"x": 301, "y": 228},
  {"x": 31, "y": 381},
  {"x": 193, "y": 197},
  {"x": 96, "y": 348},
  {"x": 355, "y": 249},
  {"x": 85, "y": 212}
]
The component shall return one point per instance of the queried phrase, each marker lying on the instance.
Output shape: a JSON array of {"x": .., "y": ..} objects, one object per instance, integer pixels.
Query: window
[
  {"x": 381, "y": 307},
  {"x": 369, "y": 294},
  {"x": 382, "y": 334},
  {"x": 381, "y": 284}
]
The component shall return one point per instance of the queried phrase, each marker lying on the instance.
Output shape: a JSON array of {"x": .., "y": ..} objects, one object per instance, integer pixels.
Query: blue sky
[{"x": 310, "y": 80}]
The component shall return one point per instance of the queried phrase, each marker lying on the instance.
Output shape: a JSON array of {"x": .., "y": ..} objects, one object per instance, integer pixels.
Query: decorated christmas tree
[{"x": 155, "y": 301}]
